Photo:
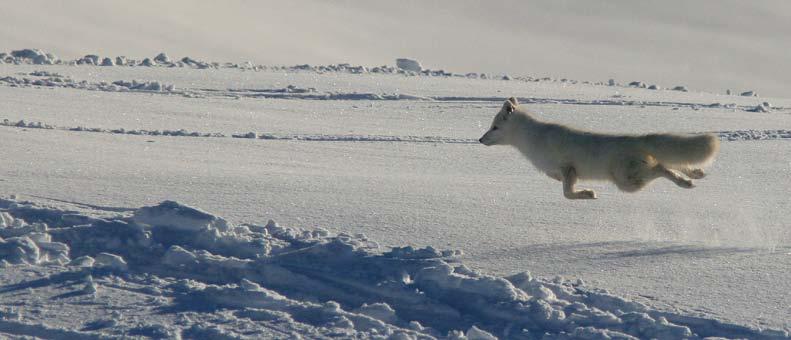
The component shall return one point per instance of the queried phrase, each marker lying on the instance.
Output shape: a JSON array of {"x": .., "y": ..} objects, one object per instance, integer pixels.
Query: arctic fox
[{"x": 631, "y": 162}]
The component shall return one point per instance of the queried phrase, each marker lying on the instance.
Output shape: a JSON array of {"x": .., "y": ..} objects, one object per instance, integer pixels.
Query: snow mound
[
  {"x": 637, "y": 84},
  {"x": 311, "y": 282},
  {"x": 30, "y": 56},
  {"x": 135, "y": 85},
  {"x": 90, "y": 59},
  {"x": 409, "y": 65},
  {"x": 162, "y": 58}
]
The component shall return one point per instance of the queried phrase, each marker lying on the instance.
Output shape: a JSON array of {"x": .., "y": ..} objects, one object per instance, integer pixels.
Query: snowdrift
[{"x": 309, "y": 282}]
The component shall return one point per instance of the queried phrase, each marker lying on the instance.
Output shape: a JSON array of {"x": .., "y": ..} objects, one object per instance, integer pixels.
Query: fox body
[{"x": 630, "y": 161}]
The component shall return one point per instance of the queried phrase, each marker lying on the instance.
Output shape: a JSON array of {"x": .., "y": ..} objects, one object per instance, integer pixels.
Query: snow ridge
[
  {"x": 39, "y": 57},
  {"x": 222, "y": 280}
]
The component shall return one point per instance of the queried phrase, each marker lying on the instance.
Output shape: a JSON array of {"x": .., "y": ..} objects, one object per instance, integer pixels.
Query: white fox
[{"x": 631, "y": 162}]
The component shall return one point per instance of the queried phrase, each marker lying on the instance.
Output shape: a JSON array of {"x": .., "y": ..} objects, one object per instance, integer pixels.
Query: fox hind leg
[
  {"x": 693, "y": 173},
  {"x": 632, "y": 173},
  {"x": 674, "y": 176}
]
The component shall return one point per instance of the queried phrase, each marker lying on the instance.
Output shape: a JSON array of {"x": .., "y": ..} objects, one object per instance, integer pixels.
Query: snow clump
[
  {"x": 409, "y": 65},
  {"x": 32, "y": 56}
]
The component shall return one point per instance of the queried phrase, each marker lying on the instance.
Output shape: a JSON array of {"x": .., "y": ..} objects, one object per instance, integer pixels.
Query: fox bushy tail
[{"x": 682, "y": 150}]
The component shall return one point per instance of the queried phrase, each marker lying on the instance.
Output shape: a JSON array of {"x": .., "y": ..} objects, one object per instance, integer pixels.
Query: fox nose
[{"x": 480, "y": 140}]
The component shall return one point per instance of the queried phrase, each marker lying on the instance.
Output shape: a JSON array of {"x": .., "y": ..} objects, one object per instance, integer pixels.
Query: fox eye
[{"x": 494, "y": 128}]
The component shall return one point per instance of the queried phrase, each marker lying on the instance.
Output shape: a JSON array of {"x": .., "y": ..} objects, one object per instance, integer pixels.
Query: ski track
[
  {"x": 730, "y": 135},
  {"x": 251, "y": 279}
]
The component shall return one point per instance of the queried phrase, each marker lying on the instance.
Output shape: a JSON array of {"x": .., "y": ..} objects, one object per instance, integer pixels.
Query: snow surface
[
  {"x": 196, "y": 275},
  {"x": 401, "y": 224}
]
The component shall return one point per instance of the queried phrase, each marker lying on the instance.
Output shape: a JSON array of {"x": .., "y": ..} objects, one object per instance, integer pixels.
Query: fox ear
[{"x": 513, "y": 101}]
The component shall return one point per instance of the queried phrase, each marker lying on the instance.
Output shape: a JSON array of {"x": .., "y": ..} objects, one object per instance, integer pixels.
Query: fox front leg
[{"x": 569, "y": 180}]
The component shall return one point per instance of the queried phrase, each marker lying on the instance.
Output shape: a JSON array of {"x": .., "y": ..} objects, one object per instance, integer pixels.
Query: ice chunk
[
  {"x": 27, "y": 53},
  {"x": 178, "y": 216},
  {"x": 409, "y": 65},
  {"x": 34, "y": 56},
  {"x": 637, "y": 84},
  {"x": 90, "y": 286},
  {"x": 162, "y": 58},
  {"x": 379, "y": 311},
  {"x": 251, "y": 135},
  {"x": 19, "y": 250},
  {"x": 475, "y": 333},
  {"x": 82, "y": 261},
  {"x": 763, "y": 107},
  {"x": 7, "y": 221},
  {"x": 90, "y": 59},
  {"x": 177, "y": 256},
  {"x": 111, "y": 261},
  {"x": 429, "y": 252}
]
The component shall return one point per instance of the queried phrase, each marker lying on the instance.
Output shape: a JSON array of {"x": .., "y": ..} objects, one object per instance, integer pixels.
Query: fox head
[{"x": 502, "y": 123}]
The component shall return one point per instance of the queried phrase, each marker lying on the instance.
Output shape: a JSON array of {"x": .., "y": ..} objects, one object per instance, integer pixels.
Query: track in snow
[
  {"x": 732, "y": 135},
  {"x": 42, "y": 79}
]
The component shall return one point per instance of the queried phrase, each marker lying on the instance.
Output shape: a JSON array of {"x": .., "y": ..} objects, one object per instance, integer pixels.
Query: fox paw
[
  {"x": 695, "y": 173},
  {"x": 590, "y": 194},
  {"x": 585, "y": 194},
  {"x": 685, "y": 183}
]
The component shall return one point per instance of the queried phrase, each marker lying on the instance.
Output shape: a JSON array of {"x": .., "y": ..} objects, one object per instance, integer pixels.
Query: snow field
[
  {"x": 404, "y": 168},
  {"x": 339, "y": 284}
]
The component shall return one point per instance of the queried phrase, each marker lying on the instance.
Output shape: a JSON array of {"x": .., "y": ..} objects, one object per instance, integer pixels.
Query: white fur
[{"x": 631, "y": 162}]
